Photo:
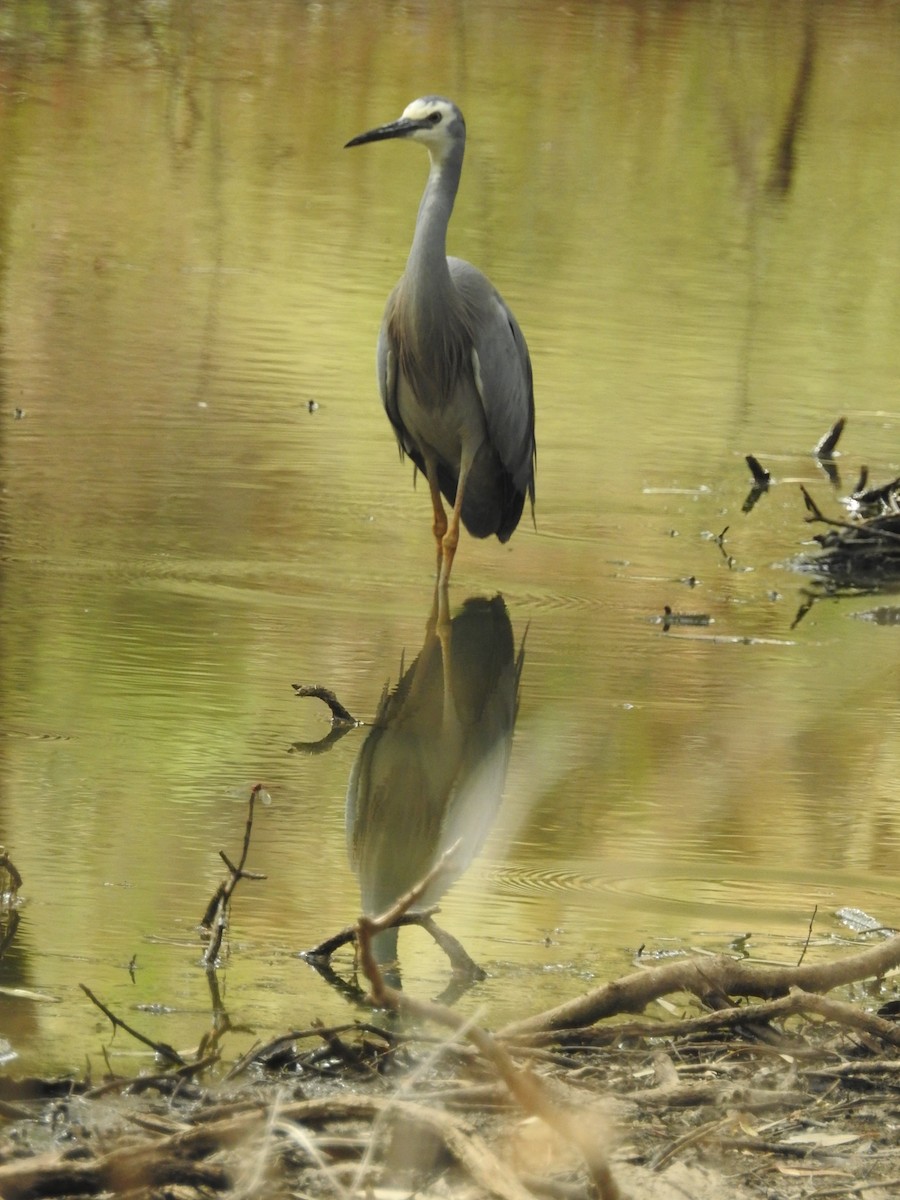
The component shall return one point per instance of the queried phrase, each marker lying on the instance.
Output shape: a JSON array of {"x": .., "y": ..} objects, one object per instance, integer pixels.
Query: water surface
[{"x": 201, "y": 500}]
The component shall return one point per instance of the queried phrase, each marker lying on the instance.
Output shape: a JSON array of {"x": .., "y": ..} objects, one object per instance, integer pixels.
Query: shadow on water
[{"x": 430, "y": 774}]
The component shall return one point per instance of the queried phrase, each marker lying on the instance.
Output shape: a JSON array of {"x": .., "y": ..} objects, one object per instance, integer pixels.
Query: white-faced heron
[{"x": 453, "y": 367}]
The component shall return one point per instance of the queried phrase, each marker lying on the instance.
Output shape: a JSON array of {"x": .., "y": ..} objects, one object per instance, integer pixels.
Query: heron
[{"x": 453, "y": 367}]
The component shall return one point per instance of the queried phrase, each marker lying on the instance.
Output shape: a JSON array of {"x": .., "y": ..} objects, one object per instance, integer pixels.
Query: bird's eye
[{"x": 434, "y": 118}]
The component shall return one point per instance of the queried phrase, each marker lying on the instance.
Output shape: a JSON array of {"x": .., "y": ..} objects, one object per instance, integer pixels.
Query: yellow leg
[
  {"x": 451, "y": 535},
  {"x": 441, "y": 609},
  {"x": 439, "y": 525}
]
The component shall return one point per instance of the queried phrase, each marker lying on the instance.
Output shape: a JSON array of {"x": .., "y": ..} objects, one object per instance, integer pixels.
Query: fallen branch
[
  {"x": 708, "y": 979},
  {"x": 736, "y": 1018},
  {"x": 172, "y": 1158},
  {"x": 874, "y": 530}
]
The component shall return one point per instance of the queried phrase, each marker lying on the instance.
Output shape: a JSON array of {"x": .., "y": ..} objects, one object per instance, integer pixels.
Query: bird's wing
[
  {"x": 386, "y": 365},
  {"x": 502, "y": 369}
]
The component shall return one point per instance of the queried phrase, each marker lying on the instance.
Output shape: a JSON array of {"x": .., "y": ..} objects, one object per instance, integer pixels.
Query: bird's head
[{"x": 432, "y": 120}]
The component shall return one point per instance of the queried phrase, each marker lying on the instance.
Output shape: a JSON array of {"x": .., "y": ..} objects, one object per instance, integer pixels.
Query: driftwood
[{"x": 712, "y": 980}]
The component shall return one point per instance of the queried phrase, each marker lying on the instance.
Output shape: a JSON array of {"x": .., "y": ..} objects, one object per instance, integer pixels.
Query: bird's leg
[
  {"x": 442, "y": 608},
  {"x": 439, "y": 526},
  {"x": 444, "y": 637},
  {"x": 440, "y": 627},
  {"x": 432, "y": 645},
  {"x": 451, "y": 536}
]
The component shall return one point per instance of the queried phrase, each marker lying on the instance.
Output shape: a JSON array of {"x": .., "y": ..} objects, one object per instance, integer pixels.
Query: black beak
[{"x": 396, "y": 129}]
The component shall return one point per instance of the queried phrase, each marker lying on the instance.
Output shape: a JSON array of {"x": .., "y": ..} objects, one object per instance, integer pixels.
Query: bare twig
[
  {"x": 215, "y": 919},
  {"x": 161, "y": 1048},
  {"x": 345, "y": 936},
  {"x": 808, "y": 935}
]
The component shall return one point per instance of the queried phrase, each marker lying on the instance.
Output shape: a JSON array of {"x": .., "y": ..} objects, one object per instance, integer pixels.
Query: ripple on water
[{"x": 703, "y": 899}]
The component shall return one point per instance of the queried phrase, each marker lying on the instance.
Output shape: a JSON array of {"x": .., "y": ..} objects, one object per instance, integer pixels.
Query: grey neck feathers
[{"x": 434, "y": 334}]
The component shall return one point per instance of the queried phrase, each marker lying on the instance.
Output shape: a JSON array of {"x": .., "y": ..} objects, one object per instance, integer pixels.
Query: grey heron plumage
[{"x": 453, "y": 368}]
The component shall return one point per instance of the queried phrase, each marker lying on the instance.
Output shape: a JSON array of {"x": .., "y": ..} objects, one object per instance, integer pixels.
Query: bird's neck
[
  {"x": 427, "y": 273},
  {"x": 432, "y": 330}
]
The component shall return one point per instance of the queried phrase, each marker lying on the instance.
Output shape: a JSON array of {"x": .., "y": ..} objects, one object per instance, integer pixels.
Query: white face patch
[
  {"x": 418, "y": 110},
  {"x": 435, "y": 135}
]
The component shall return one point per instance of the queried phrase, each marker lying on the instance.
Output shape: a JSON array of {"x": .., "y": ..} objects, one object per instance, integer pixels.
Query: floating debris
[
  {"x": 670, "y": 617},
  {"x": 881, "y": 501},
  {"x": 702, "y": 489},
  {"x": 861, "y": 554}
]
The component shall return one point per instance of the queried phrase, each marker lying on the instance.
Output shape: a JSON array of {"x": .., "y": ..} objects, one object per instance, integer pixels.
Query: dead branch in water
[
  {"x": 339, "y": 714},
  {"x": 461, "y": 962},
  {"x": 712, "y": 980},
  {"x": 215, "y": 919}
]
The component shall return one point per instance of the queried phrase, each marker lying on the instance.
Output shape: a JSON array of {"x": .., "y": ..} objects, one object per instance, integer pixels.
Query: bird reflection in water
[{"x": 431, "y": 771}]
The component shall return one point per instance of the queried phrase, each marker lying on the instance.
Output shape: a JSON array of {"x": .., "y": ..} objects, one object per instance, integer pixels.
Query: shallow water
[{"x": 188, "y": 258}]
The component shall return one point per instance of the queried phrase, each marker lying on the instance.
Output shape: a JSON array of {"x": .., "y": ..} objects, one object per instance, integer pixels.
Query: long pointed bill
[{"x": 396, "y": 129}]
